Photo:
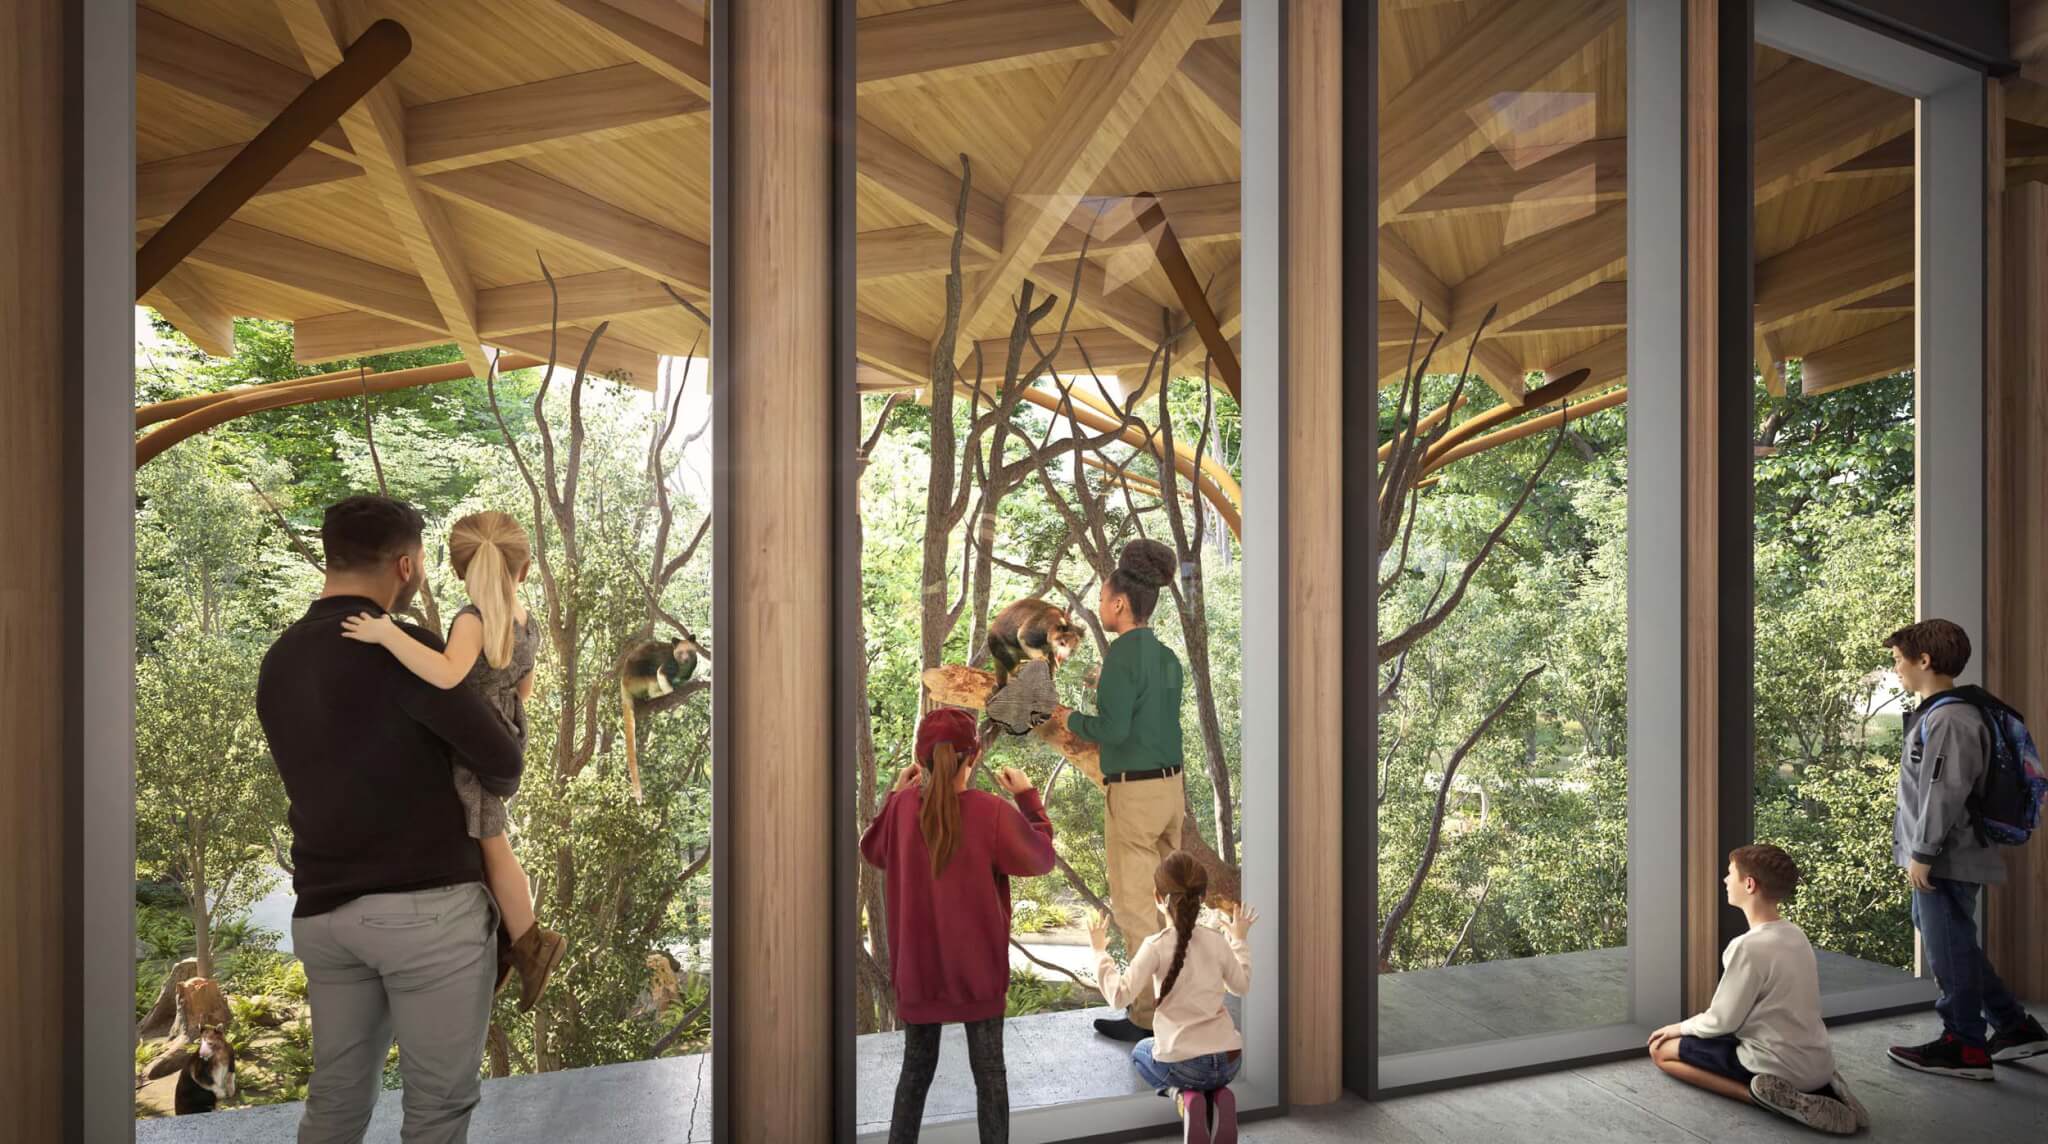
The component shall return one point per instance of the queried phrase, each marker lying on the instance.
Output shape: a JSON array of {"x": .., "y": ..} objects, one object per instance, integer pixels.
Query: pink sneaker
[
  {"x": 1194, "y": 1115},
  {"x": 1223, "y": 1105}
]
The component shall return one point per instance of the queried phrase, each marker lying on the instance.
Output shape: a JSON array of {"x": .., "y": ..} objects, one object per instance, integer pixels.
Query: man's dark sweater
[{"x": 365, "y": 747}]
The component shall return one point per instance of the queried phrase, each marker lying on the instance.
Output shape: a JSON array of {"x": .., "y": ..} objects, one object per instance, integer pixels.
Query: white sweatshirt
[
  {"x": 1192, "y": 1021},
  {"x": 1769, "y": 999}
]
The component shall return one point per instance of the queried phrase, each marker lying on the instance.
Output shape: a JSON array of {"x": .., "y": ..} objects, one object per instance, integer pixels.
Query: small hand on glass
[
  {"x": 366, "y": 628},
  {"x": 1241, "y": 921},
  {"x": 1098, "y": 931}
]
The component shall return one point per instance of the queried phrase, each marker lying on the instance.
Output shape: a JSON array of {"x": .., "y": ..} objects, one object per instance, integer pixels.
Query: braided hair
[{"x": 1182, "y": 881}]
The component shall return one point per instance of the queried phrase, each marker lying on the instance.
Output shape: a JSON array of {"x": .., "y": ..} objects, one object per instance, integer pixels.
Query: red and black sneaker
[
  {"x": 1948, "y": 1056},
  {"x": 2017, "y": 1044}
]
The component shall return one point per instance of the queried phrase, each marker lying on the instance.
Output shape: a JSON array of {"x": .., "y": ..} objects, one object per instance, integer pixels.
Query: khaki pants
[{"x": 1141, "y": 827}]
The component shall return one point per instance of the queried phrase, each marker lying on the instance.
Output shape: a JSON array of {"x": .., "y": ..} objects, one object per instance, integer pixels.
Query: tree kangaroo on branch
[{"x": 651, "y": 669}]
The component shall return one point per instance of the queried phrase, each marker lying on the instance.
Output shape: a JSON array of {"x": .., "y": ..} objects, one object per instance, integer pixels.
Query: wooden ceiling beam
[
  {"x": 632, "y": 31},
  {"x": 1811, "y": 119},
  {"x": 1592, "y": 172},
  {"x": 927, "y": 188},
  {"x": 227, "y": 75},
  {"x": 1867, "y": 254},
  {"x": 1208, "y": 74},
  {"x": 1466, "y": 98},
  {"x": 503, "y": 311},
  {"x": 351, "y": 334},
  {"x": 533, "y": 118},
  {"x": 1542, "y": 271},
  {"x": 1198, "y": 214},
  {"x": 1413, "y": 285},
  {"x": 375, "y": 127},
  {"x": 941, "y": 42},
  {"x": 1102, "y": 104},
  {"x": 1602, "y": 306},
  {"x": 1898, "y": 299},
  {"x": 317, "y": 270},
  {"x": 189, "y": 306},
  {"x": 527, "y": 197},
  {"x": 167, "y": 184},
  {"x": 1881, "y": 352}
]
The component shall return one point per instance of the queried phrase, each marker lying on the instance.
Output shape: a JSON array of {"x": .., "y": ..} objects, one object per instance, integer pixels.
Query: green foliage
[{"x": 1030, "y": 916}]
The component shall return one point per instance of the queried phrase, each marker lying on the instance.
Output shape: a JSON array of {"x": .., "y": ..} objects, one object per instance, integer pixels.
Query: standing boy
[
  {"x": 1935, "y": 838},
  {"x": 1762, "y": 1040}
]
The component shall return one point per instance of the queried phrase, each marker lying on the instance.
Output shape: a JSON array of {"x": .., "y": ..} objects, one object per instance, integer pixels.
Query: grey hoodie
[{"x": 1936, "y": 780}]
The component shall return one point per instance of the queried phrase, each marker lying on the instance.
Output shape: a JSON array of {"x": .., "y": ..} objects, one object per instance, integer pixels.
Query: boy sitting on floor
[{"x": 1762, "y": 1040}]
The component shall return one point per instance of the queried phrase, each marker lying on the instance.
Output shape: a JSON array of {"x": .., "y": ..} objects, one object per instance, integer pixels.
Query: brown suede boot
[
  {"x": 504, "y": 947},
  {"x": 535, "y": 954}
]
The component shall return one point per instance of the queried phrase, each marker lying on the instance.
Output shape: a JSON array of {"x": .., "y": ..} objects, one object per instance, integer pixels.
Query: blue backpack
[{"x": 2007, "y": 803}]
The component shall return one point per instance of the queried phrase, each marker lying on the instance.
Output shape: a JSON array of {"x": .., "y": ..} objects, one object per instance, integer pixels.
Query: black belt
[{"x": 1140, "y": 776}]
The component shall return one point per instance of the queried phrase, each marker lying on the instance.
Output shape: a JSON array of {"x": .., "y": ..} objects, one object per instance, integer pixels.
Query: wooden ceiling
[{"x": 577, "y": 131}]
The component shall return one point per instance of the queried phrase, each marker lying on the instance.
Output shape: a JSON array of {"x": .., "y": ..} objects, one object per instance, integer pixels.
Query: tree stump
[
  {"x": 162, "y": 1014},
  {"x": 200, "y": 1004},
  {"x": 958, "y": 686}
]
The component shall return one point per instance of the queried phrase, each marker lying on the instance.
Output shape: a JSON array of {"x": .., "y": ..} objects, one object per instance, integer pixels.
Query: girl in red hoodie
[{"x": 948, "y": 854}]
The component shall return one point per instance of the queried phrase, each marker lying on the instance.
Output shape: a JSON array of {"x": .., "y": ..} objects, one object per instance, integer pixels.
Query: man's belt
[{"x": 1140, "y": 776}]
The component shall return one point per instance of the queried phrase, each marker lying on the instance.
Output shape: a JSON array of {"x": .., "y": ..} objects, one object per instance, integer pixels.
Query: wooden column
[
  {"x": 37, "y": 293},
  {"x": 2015, "y": 643},
  {"x": 774, "y": 308},
  {"x": 1313, "y": 400},
  {"x": 1718, "y": 397}
]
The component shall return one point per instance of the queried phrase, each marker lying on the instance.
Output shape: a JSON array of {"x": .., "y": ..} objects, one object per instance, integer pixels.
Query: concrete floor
[
  {"x": 1052, "y": 1058},
  {"x": 644, "y": 1101},
  {"x": 1055, "y": 1058},
  {"x": 1630, "y": 1101},
  {"x": 1466, "y": 1004}
]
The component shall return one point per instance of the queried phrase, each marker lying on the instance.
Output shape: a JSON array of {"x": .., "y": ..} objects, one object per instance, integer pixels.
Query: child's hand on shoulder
[
  {"x": 1014, "y": 781},
  {"x": 907, "y": 777},
  {"x": 366, "y": 628},
  {"x": 1098, "y": 931}
]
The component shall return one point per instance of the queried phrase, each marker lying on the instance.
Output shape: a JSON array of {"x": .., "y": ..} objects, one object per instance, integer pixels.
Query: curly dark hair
[
  {"x": 1944, "y": 642},
  {"x": 1776, "y": 874},
  {"x": 1142, "y": 569}
]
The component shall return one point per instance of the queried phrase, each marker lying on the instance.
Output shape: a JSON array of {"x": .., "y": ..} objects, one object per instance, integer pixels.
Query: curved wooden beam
[
  {"x": 1527, "y": 428},
  {"x": 198, "y": 414}
]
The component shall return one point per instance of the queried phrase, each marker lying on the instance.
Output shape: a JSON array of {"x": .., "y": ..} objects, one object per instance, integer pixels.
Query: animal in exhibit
[
  {"x": 1030, "y": 629},
  {"x": 648, "y": 670},
  {"x": 209, "y": 1077}
]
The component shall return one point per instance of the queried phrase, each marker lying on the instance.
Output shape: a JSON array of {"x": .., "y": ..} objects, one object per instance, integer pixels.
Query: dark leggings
[{"x": 991, "y": 1082}]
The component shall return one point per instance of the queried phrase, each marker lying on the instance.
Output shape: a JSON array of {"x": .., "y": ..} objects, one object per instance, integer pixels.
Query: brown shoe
[
  {"x": 504, "y": 948},
  {"x": 536, "y": 953}
]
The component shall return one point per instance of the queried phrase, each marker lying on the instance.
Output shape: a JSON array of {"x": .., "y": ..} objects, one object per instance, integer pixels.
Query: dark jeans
[
  {"x": 991, "y": 1081},
  {"x": 1970, "y": 988}
]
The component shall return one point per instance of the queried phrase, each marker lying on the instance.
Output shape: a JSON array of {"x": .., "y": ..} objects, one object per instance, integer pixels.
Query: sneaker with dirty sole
[
  {"x": 2029, "y": 1040},
  {"x": 1223, "y": 1109},
  {"x": 1194, "y": 1115},
  {"x": 1809, "y": 1108},
  {"x": 1948, "y": 1056}
]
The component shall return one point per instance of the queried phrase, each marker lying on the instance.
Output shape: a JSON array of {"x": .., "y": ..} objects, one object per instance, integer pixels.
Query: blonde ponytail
[{"x": 489, "y": 551}]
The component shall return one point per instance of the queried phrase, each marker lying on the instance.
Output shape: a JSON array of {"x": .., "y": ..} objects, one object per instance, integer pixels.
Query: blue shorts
[{"x": 1715, "y": 1055}]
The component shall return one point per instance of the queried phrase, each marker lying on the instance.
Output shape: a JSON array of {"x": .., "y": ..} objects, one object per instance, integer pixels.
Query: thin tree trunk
[{"x": 202, "y": 927}]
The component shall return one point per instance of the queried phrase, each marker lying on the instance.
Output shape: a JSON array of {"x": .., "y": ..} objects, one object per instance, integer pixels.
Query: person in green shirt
[{"x": 1137, "y": 727}]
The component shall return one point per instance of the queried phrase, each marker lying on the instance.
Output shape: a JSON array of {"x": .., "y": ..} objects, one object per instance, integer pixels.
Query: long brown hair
[
  {"x": 1182, "y": 881},
  {"x": 489, "y": 551},
  {"x": 939, "y": 817}
]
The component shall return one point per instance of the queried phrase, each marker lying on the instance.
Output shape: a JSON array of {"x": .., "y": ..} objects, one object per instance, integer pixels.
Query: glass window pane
[{"x": 1503, "y": 576}]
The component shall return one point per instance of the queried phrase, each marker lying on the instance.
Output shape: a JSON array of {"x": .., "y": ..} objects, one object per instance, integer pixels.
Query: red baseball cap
[{"x": 947, "y": 725}]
